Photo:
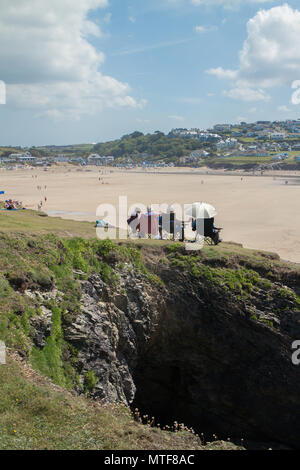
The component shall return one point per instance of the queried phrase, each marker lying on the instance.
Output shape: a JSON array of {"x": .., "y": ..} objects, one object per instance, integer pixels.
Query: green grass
[
  {"x": 241, "y": 160},
  {"x": 28, "y": 221},
  {"x": 90, "y": 381},
  {"x": 248, "y": 159},
  {"x": 36, "y": 415},
  {"x": 8, "y": 149},
  {"x": 292, "y": 155},
  {"x": 241, "y": 275},
  {"x": 247, "y": 140},
  {"x": 49, "y": 359}
]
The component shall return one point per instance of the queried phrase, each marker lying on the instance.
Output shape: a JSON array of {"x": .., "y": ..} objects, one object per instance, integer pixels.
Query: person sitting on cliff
[
  {"x": 132, "y": 222},
  {"x": 10, "y": 205},
  {"x": 169, "y": 224},
  {"x": 100, "y": 223},
  {"x": 209, "y": 229},
  {"x": 149, "y": 224}
]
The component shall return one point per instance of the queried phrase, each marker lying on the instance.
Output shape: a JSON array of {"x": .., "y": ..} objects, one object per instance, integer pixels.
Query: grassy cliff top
[
  {"x": 29, "y": 222},
  {"x": 39, "y": 253},
  {"x": 33, "y": 222}
]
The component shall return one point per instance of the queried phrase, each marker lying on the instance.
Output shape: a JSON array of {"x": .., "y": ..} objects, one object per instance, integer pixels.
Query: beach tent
[
  {"x": 2, "y": 192},
  {"x": 201, "y": 210}
]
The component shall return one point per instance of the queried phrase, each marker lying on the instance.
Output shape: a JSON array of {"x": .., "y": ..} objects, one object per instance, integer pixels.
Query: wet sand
[{"x": 261, "y": 212}]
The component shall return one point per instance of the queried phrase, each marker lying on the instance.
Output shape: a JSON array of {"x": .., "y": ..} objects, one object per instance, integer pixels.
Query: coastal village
[{"x": 263, "y": 143}]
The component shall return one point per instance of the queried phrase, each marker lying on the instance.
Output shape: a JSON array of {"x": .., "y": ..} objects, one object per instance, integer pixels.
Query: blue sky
[{"x": 103, "y": 68}]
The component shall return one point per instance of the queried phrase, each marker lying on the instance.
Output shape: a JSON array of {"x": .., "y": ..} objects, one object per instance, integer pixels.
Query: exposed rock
[
  {"x": 43, "y": 295},
  {"x": 42, "y": 325},
  {"x": 110, "y": 334}
]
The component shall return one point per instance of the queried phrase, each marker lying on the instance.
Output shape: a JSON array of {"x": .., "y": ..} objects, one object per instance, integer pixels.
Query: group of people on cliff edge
[{"x": 166, "y": 225}]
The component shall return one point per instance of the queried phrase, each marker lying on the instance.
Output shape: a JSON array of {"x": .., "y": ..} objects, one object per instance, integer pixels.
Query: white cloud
[
  {"x": 205, "y": 29},
  {"x": 48, "y": 62},
  {"x": 107, "y": 18},
  {"x": 222, "y": 73},
  {"x": 224, "y": 3},
  {"x": 295, "y": 98},
  {"x": 73, "y": 99},
  {"x": 174, "y": 117},
  {"x": 151, "y": 47},
  {"x": 270, "y": 55},
  {"x": 283, "y": 109},
  {"x": 246, "y": 94}
]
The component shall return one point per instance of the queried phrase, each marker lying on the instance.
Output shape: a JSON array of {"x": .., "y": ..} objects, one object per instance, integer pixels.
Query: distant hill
[{"x": 154, "y": 147}]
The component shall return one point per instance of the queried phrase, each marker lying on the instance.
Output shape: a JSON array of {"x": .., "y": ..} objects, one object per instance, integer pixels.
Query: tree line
[{"x": 156, "y": 146}]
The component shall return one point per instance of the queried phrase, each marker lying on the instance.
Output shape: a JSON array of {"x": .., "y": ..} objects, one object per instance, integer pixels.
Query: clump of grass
[
  {"x": 49, "y": 359},
  {"x": 232, "y": 276},
  {"x": 37, "y": 416},
  {"x": 90, "y": 381}
]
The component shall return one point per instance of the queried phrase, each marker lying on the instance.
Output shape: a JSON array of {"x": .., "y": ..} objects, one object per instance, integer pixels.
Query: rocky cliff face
[
  {"x": 112, "y": 331},
  {"x": 209, "y": 345}
]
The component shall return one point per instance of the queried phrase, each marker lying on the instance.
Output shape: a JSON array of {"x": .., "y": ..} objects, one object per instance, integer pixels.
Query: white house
[
  {"x": 199, "y": 154},
  {"x": 95, "y": 159},
  {"x": 222, "y": 127},
  {"x": 227, "y": 144},
  {"x": 22, "y": 157},
  {"x": 277, "y": 136}
]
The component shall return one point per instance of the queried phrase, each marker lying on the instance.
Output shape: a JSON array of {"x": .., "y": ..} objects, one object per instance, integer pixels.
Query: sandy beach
[{"x": 260, "y": 212}]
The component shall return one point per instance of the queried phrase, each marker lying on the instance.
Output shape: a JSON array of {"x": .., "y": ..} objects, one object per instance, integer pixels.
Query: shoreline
[{"x": 216, "y": 173}]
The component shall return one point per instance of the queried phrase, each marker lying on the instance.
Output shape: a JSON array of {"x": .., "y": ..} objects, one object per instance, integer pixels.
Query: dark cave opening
[
  {"x": 170, "y": 396},
  {"x": 163, "y": 397}
]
